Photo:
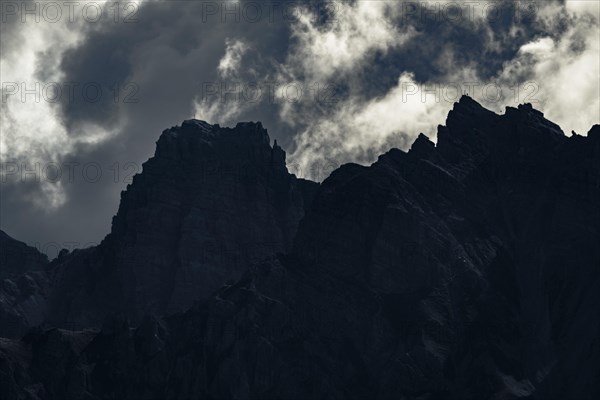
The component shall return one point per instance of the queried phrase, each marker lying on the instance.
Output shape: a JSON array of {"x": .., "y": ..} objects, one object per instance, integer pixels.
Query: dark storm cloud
[
  {"x": 180, "y": 43},
  {"x": 165, "y": 56},
  {"x": 162, "y": 60},
  {"x": 469, "y": 36}
]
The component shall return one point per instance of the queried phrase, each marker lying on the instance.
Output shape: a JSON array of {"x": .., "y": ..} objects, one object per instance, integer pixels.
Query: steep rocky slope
[
  {"x": 466, "y": 269},
  {"x": 482, "y": 251},
  {"x": 17, "y": 258},
  {"x": 23, "y": 286},
  {"x": 209, "y": 202}
]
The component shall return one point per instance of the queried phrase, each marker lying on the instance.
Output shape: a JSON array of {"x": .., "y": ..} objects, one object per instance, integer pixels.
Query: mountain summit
[
  {"x": 210, "y": 202},
  {"x": 466, "y": 269}
]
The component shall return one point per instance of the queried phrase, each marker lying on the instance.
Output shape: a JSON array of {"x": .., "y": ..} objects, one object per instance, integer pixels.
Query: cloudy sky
[{"x": 88, "y": 86}]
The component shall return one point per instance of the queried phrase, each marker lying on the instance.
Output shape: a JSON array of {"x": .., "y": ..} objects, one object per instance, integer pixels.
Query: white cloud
[
  {"x": 541, "y": 47},
  {"x": 215, "y": 104},
  {"x": 559, "y": 80},
  {"x": 582, "y": 7},
  {"x": 360, "y": 131},
  {"x": 566, "y": 70},
  {"x": 32, "y": 130},
  {"x": 357, "y": 32},
  {"x": 230, "y": 63}
]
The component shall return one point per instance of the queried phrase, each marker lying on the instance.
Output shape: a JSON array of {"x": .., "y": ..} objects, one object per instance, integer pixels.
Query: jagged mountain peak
[
  {"x": 466, "y": 270},
  {"x": 201, "y": 126},
  {"x": 198, "y": 140},
  {"x": 594, "y": 132},
  {"x": 468, "y": 113},
  {"x": 422, "y": 145},
  {"x": 211, "y": 200}
]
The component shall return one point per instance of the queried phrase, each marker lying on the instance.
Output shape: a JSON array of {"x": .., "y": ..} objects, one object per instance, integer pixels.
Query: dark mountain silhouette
[
  {"x": 210, "y": 202},
  {"x": 466, "y": 269},
  {"x": 23, "y": 286},
  {"x": 17, "y": 258}
]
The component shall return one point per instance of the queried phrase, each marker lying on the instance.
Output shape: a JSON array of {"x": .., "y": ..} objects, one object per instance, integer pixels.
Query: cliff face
[
  {"x": 210, "y": 202},
  {"x": 17, "y": 258},
  {"x": 479, "y": 257},
  {"x": 466, "y": 269},
  {"x": 23, "y": 286}
]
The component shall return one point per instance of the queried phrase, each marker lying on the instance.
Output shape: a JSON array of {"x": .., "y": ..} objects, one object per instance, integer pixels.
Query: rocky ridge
[
  {"x": 210, "y": 202},
  {"x": 466, "y": 269}
]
